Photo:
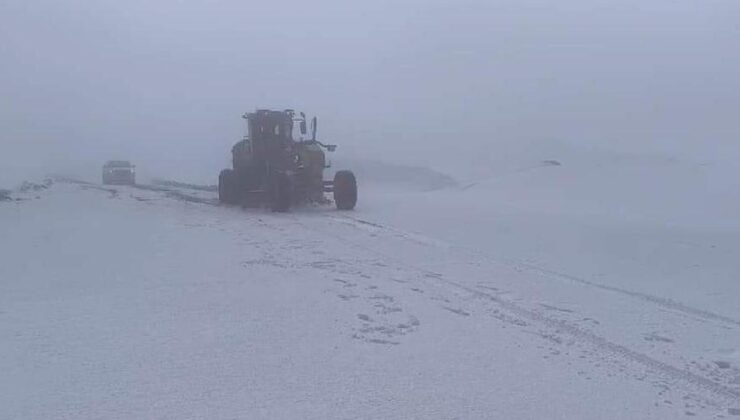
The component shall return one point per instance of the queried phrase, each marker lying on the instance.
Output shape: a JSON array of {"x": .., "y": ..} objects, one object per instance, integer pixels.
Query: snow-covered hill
[{"x": 580, "y": 290}]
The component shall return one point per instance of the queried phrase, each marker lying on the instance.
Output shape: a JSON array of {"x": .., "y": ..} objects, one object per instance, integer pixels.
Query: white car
[{"x": 119, "y": 172}]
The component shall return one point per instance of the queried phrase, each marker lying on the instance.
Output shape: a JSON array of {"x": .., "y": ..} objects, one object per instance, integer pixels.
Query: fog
[
  {"x": 544, "y": 195},
  {"x": 451, "y": 85}
]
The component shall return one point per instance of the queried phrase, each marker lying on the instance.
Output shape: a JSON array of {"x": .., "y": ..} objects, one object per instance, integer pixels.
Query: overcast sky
[{"x": 421, "y": 81}]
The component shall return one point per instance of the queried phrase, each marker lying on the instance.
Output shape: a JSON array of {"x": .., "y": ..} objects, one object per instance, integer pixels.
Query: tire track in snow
[
  {"x": 725, "y": 393},
  {"x": 174, "y": 191},
  {"x": 603, "y": 344},
  {"x": 645, "y": 297},
  {"x": 655, "y": 300},
  {"x": 176, "y": 194},
  {"x": 659, "y": 301},
  {"x": 728, "y": 394}
]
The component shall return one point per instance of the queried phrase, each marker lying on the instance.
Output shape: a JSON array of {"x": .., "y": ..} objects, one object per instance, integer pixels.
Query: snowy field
[{"x": 590, "y": 290}]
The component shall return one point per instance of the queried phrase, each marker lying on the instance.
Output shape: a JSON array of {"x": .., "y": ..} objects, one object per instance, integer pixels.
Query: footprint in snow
[
  {"x": 720, "y": 363},
  {"x": 456, "y": 311},
  {"x": 555, "y": 308},
  {"x": 381, "y": 341},
  {"x": 440, "y": 299},
  {"x": 591, "y": 320},
  {"x": 384, "y": 332},
  {"x": 413, "y": 323},
  {"x": 383, "y": 309},
  {"x": 656, "y": 337},
  {"x": 345, "y": 283},
  {"x": 382, "y": 297}
]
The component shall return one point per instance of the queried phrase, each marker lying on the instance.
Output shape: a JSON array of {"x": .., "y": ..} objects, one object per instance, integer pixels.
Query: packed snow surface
[{"x": 538, "y": 294}]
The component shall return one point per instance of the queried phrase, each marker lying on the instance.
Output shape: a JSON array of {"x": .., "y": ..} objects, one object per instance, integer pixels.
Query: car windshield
[{"x": 118, "y": 164}]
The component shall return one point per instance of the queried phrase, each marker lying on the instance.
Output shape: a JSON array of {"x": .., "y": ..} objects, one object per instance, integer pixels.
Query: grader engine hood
[{"x": 312, "y": 158}]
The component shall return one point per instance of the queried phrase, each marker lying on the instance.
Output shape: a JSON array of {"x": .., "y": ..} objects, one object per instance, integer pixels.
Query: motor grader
[{"x": 271, "y": 168}]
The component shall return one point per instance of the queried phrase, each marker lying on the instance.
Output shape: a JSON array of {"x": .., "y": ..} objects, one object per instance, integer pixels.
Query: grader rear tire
[
  {"x": 345, "y": 190},
  {"x": 227, "y": 193}
]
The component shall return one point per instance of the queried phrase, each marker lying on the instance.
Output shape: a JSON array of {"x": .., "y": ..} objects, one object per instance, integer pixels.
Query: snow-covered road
[{"x": 155, "y": 302}]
